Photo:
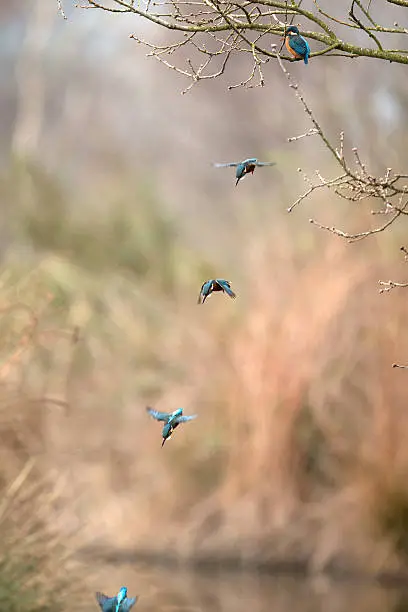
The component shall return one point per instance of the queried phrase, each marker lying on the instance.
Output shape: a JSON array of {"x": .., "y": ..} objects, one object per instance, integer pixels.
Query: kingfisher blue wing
[
  {"x": 306, "y": 57},
  {"x": 204, "y": 291},
  {"x": 226, "y": 286},
  {"x": 128, "y": 603},
  {"x": 227, "y": 164},
  {"x": 183, "y": 419},
  {"x": 106, "y": 604},
  {"x": 250, "y": 161},
  {"x": 159, "y": 416},
  {"x": 299, "y": 44},
  {"x": 241, "y": 171},
  {"x": 265, "y": 164}
]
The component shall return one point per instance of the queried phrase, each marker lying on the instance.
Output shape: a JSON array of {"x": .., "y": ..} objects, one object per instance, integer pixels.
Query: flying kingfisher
[
  {"x": 171, "y": 420},
  {"x": 245, "y": 167},
  {"x": 215, "y": 284},
  {"x": 296, "y": 44},
  {"x": 119, "y": 603}
]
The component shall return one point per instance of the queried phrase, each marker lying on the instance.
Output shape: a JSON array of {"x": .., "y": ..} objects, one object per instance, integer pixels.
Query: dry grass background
[{"x": 299, "y": 451}]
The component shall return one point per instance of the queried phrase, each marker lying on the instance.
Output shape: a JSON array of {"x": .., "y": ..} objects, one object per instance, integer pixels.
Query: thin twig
[
  {"x": 61, "y": 9},
  {"x": 388, "y": 285}
]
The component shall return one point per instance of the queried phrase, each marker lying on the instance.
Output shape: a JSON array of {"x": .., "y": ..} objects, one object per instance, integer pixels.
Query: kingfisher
[
  {"x": 119, "y": 603},
  {"x": 171, "y": 420},
  {"x": 215, "y": 284},
  {"x": 296, "y": 44},
  {"x": 244, "y": 167}
]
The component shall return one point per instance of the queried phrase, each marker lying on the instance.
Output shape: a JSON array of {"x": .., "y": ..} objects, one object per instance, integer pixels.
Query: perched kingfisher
[
  {"x": 171, "y": 420},
  {"x": 119, "y": 603},
  {"x": 215, "y": 284},
  {"x": 296, "y": 44},
  {"x": 245, "y": 167}
]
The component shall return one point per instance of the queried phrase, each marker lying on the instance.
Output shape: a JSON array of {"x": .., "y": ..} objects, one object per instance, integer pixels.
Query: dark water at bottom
[{"x": 178, "y": 590}]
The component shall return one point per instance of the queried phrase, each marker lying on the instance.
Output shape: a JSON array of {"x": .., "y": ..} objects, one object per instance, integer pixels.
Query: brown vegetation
[{"x": 299, "y": 449}]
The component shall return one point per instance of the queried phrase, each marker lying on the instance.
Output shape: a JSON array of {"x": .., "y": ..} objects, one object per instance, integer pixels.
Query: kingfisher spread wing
[
  {"x": 106, "y": 604},
  {"x": 296, "y": 44},
  {"x": 184, "y": 419},
  {"x": 214, "y": 284},
  {"x": 244, "y": 167},
  {"x": 128, "y": 603},
  {"x": 159, "y": 416},
  {"x": 120, "y": 603},
  {"x": 206, "y": 289},
  {"x": 225, "y": 286}
]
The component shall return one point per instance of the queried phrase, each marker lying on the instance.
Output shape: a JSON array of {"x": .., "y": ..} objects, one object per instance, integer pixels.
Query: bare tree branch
[
  {"x": 61, "y": 9},
  {"x": 251, "y": 27},
  {"x": 361, "y": 25},
  {"x": 399, "y": 2},
  {"x": 352, "y": 183},
  {"x": 388, "y": 285}
]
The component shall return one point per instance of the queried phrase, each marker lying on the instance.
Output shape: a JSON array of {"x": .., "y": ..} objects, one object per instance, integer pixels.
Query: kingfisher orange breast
[{"x": 289, "y": 48}]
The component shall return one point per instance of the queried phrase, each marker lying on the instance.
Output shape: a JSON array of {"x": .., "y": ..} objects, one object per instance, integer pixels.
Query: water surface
[{"x": 177, "y": 590}]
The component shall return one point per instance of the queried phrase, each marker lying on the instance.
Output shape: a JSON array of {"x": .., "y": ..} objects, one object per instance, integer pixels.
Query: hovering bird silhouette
[
  {"x": 296, "y": 44},
  {"x": 245, "y": 167},
  {"x": 119, "y": 603},
  {"x": 171, "y": 420},
  {"x": 215, "y": 284}
]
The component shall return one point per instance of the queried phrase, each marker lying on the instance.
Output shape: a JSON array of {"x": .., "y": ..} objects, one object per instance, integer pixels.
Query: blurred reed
[{"x": 299, "y": 451}]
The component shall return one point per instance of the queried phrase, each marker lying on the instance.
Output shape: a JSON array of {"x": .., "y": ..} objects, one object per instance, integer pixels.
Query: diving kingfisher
[
  {"x": 119, "y": 603},
  {"x": 245, "y": 167},
  {"x": 296, "y": 44},
  {"x": 215, "y": 284},
  {"x": 171, "y": 420}
]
